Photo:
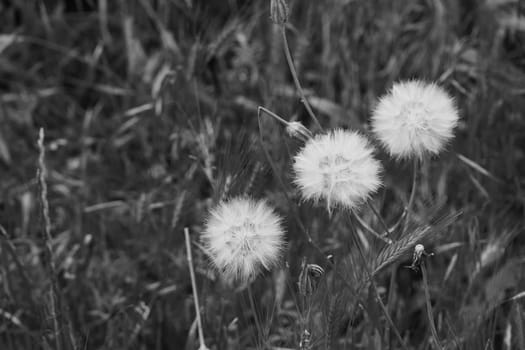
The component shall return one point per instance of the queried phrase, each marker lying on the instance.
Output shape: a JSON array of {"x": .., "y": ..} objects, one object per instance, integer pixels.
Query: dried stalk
[
  {"x": 47, "y": 239},
  {"x": 194, "y": 289}
]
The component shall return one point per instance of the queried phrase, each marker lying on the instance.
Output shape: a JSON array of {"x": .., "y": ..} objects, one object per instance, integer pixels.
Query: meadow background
[{"x": 150, "y": 116}]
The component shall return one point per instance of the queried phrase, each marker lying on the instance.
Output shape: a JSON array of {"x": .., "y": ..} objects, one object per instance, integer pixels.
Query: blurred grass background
[{"x": 150, "y": 114}]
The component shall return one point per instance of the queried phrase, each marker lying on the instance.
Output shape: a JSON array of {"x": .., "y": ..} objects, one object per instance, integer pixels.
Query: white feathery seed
[
  {"x": 242, "y": 236},
  {"x": 414, "y": 119},
  {"x": 339, "y": 168}
]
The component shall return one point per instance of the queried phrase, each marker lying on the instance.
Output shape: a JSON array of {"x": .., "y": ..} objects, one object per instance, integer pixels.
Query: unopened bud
[
  {"x": 279, "y": 11},
  {"x": 309, "y": 278},
  {"x": 296, "y": 129}
]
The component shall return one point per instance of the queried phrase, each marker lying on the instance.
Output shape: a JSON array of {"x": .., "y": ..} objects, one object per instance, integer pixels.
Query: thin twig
[
  {"x": 430, "y": 314},
  {"x": 194, "y": 289},
  {"x": 296, "y": 79}
]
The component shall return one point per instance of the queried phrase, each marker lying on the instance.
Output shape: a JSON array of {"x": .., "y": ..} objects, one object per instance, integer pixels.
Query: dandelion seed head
[
  {"x": 414, "y": 119},
  {"x": 242, "y": 236},
  {"x": 337, "y": 167}
]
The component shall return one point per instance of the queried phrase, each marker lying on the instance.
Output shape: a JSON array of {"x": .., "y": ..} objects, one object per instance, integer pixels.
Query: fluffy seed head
[
  {"x": 337, "y": 167},
  {"x": 242, "y": 236},
  {"x": 414, "y": 119}
]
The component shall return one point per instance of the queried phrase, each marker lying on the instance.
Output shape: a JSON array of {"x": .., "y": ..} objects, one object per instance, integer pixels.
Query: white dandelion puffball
[
  {"x": 414, "y": 118},
  {"x": 337, "y": 167},
  {"x": 242, "y": 236}
]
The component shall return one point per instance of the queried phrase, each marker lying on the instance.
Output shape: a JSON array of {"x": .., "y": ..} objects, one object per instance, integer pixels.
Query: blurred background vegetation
[{"x": 150, "y": 115}]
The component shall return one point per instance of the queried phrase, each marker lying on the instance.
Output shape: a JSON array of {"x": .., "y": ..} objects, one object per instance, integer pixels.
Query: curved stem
[
  {"x": 430, "y": 314},
  {"x": 281, "y": 182},
  {"x": 379, "y": 217},
  {"x": 399, "y": 221},
  {"x": 297, "y": 130},
  {"x": 296, "y": 79},
  {"x": 271, "y": 114},
  {"x": 372, "y": 231}
]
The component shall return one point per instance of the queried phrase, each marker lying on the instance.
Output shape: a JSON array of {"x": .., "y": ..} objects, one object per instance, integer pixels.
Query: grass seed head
[
  {"x": 414, "y": 119},
  {"x": 242, "y": 236},
  {"x": 337, "y": 167}
]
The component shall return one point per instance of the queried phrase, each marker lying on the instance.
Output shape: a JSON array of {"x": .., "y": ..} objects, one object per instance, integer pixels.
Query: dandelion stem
[
  {"x": 280, "y": 180},
  {"x": 254, "y": 311},
  {"x": 296, "y": 79},
  {"x": 408, "y": 208},
  {"x": 379, "y": 217},
  {"x": 403, "y": 219},
  {"x": 430, "y": 314},
  {"x": 271, "y": 114},
  {"x": 399, "y": 221},
  {"x": 371, "y": 230},
  {"x": 194, "y": 288}
]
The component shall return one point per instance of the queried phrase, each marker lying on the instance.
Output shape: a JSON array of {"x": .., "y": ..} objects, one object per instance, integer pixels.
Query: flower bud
[
  {"x": 296, "y": 129},
  {"x": 309, "y": 278},
  {"x": 279, "y": 11}
]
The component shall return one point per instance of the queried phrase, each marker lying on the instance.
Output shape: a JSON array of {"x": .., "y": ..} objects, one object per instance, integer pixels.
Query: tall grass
[{"x": 150, "y": 117}]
